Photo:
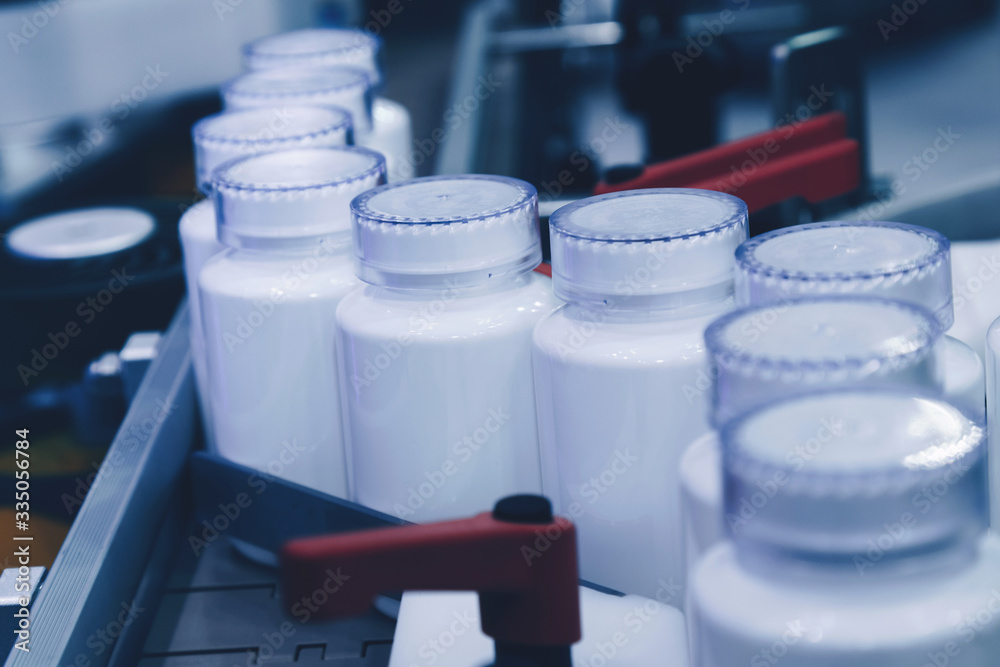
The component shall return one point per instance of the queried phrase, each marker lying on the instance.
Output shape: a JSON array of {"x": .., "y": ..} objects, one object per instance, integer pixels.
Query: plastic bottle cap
[
  {"x": 89, "y": 232},
  {"x": 887, "y": 259},
  {"x": 767, "y": 352},
  {"x": 346, "y": 88},
  {"x": 293, "y": 198},
  {"x": 316, "y": 47},
  {"x": 225, "y": 136},
  {"x": 657, "y": 248},
  {"x": 829, "y": 475},
  {"x": 446, "y": 231}
]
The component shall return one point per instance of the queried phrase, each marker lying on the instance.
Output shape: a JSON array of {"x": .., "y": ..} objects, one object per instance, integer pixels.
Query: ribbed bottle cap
[
  {"x": 887, "y": 259},
  {"x": 763, "y": 353},
  {"x": 89, "y": 232},
  {"x": 347, "y": 88},
  {"x": 293, "y": 198},
  {"x": 446, "y": 231},
  {"x": 855, "y": 475},
  {"x": 659, "y": 248},
  {"x": 225, "y": 136},
  {"x": 315, "y": 47}
]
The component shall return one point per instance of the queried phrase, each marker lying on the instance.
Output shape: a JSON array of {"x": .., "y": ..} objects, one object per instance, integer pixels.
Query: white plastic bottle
[
  {"x": 223, "y": 137},
  {"x": 887, "y": 259},
  {"x": 391, "y": 133},
  {"x": 864, "y": 544},
  {"x": 268, "y": 307},
  {"x": 342, "y": 88},
  {"x": 616, "y": 371},
  {"x": 763, "y": 353},
  {"x": 436, "y": 348}
]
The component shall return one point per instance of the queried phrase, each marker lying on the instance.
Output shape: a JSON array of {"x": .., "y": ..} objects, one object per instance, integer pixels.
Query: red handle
[
  {"x": 526, "y": 573},
  {"x": 812, "y": 159}
]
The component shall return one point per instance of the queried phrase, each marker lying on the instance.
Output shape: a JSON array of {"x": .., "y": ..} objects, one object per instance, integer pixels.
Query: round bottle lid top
[
  {"x": 454, "y": 230},
  {"x": 887, "y": 259},
  {"x": 766, "y": 352},
  {"x": 225, "y": 136},
  {"x": 647, "y": 248},
  {"x": 289, "y": 198},
  {"x": 315, "y": 47},
  {"x": 83, "y": 233},
  {"x": 826, "y": 475},
  {"x": 345, "y": 88}
]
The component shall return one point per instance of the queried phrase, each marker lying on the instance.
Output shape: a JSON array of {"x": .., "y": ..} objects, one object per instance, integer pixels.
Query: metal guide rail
[{"x": 148, "y": 576}]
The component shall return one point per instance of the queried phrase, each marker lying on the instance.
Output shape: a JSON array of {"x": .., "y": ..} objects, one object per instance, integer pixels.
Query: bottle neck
[
  {"x": 613, "y": 312},
  {"x": 627, "y": 305},
  {"x": 450, "y": 290},
  {"x": 875, "y": 564},
  {"x": 320, "y": 247}
]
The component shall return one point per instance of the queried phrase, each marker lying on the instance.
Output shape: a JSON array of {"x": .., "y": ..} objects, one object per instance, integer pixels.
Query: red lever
[
  {"x": 812, "y": 159},
  {"x": 521, "y": 560}
]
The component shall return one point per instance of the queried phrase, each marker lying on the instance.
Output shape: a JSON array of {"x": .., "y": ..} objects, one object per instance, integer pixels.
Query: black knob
[{"x": 523, "y": 508}]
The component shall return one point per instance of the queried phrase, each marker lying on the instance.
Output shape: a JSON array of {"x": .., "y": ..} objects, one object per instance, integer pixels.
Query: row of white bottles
[
  {"x": 379, "y": 123},
  {"x": 218, "y": 139},
  {"x": 307, "y": 89}
]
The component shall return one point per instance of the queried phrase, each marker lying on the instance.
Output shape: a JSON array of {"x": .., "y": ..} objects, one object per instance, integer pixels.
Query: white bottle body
[
  {"x": 738, "y": 616},
  {"x": 392, "y": 136},
  {"x": 619, "y": 398},
  {"x": 701, "y": 469},
  {"x": 270, "y": 333},
  {"x": 199, "y": 243},
  {"x": 993, "y": 418},
  {"x": 438, "y": 397}
]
